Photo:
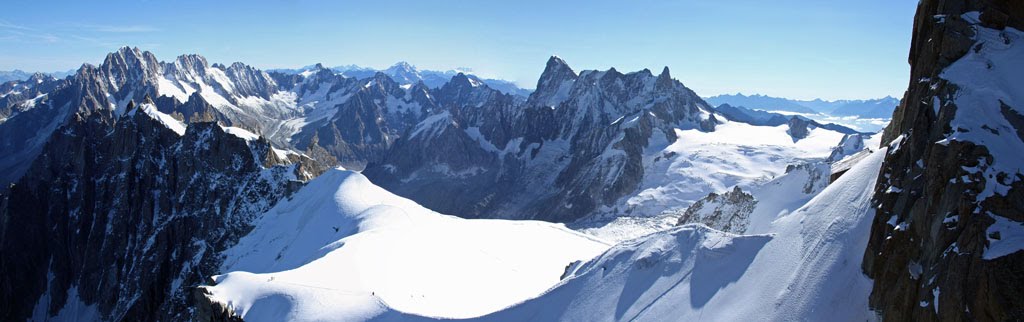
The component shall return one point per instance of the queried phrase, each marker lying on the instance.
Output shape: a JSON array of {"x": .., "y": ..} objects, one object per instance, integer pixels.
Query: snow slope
[
  {"x": 170, "y": 122},
  {"x": 677, "y": 175},
  {"x": 344, "y": 249},
  {"x": 989, "y": 82},
  {"x": 807, "y": 267},
  {"x": 991, "y": 114}
]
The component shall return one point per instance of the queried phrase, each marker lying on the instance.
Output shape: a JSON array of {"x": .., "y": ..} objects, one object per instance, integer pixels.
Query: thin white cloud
[
  {"x": 49, "y": 38},
  {"x": 16, "y": 32},
  {"x": 121, "y": 29},
  {"x": 4, "y": 24}
]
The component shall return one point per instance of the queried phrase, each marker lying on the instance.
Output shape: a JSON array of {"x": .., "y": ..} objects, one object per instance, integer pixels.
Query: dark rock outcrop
[
  {"x": 209, "y": 310},
  {"x": 935, "y": 223},
  {"x": 729, "y": 212},
  {"x": 121, "y": 215},
  {"x": 196, "y": 109},
  {"x": 798, "y": 128}
]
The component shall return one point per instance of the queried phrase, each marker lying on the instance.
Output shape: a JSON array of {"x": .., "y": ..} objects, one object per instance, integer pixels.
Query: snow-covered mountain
[
  {"x": 575, "y": 146},
  {"x": 464, "y": 148},
  {"x": 131, "y": 74},
  {"x": 142, "y": 189},
  {"x": 344, "y": 249},
  {"x": 120, "y": 214},
  {"x": 592, "y": 129},
  {"x": 407, "y": 74},
  {"x": 803, "y": 263}
]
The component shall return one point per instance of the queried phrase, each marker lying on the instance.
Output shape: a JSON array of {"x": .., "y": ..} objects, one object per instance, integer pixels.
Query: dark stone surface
[
  {"x": 940, "y": 237},
  {"x": 130, "y": 214}
]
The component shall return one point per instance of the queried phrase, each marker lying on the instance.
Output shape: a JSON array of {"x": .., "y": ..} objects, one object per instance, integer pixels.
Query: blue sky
[{"x": 797, "y": 49}]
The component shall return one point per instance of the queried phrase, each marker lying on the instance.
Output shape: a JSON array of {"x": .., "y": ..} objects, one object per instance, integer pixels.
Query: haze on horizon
[{"x": 793, "y": 49}]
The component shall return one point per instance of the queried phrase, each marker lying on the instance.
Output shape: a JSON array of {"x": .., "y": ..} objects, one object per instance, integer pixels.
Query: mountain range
[
  {"x": 585, "y": 147},
  {"x": 20, "y": 75},
  {"x": 407, "y": 74},
  {"x": 881, "y": 108},
  {"x": 141, "y": 189}
]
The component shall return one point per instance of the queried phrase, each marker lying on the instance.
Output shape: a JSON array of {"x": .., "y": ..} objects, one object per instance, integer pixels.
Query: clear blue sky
[{"x": 797, "y": 49}]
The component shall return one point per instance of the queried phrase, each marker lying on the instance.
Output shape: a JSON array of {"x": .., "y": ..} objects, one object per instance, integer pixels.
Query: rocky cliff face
[
  {"x": 945, "y": 243},
  {"x": 24, "y": 133},
  {"x": 121, "y": 214},
  {"x": 33, "y": 109}
]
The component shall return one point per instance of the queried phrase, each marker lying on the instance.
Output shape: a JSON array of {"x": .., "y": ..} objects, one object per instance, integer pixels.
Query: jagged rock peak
[
  {"x": 557, "y": 63},
  {"x": 664, "y": 79},
  {"x": 39, "y": 77},
  {"x": 191, "y": 62},
  {"x": 556, "y": 69},
  {"x": 130, "y": 107},
  {"x": 241, "y": 66},
  {"x": 381, "y": 77},
  {"x": 402, "y": 66},
  {"x": 554, "y": 83},
  {"x": 318, "y": 71},
  {"x": 403, "y": 72},
  {"x": 126, "y": 56},
  {"x": 379, "y": 80},
  {"x": 463, "y": 81}
]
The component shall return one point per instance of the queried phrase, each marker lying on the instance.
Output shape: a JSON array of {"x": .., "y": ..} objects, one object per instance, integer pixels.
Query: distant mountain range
[
  {"x": 407, "y": 74},
  {"x": 20, "y": 75},
  {"x": 871, "y": 108}
]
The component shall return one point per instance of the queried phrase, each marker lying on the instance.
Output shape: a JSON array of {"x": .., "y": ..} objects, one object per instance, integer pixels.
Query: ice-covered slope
[
  {"x": 678, "y": 174},
  {"x": 344, "y": 249},
  {"x": 807, "y": 267}
]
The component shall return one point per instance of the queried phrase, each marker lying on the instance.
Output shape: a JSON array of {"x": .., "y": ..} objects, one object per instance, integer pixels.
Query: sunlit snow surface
[
  {"x": 344, "y": 249},
  {"x": 677, "y": 175},
  {"x": 805, "y": 267},
  {"x": 165, "y": 119},
  {"x": 407, "y": 263}
]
